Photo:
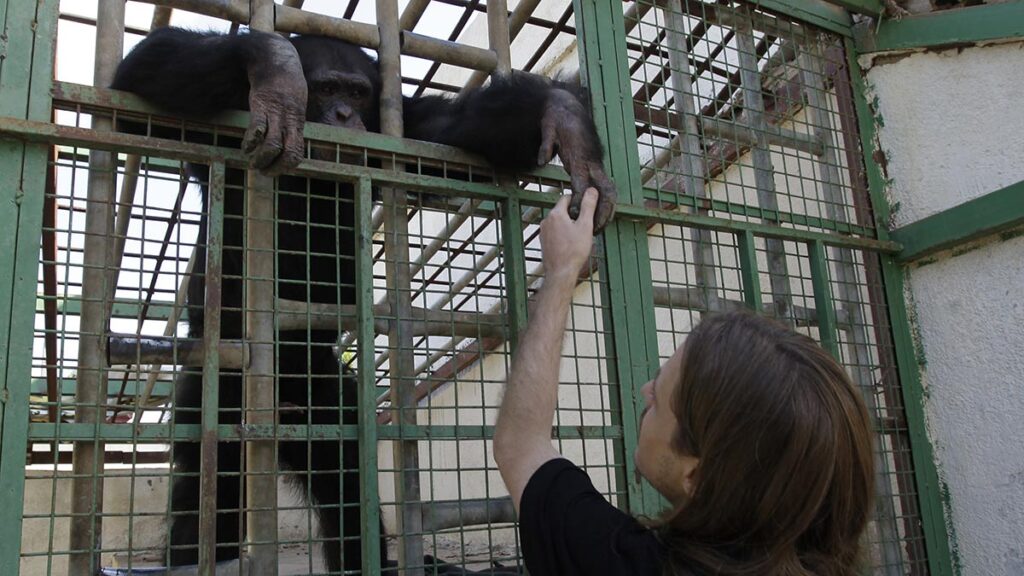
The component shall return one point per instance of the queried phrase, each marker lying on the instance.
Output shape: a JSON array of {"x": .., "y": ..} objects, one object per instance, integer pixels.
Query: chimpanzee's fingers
[
  {"x": 608, "y": 197},
  {"x": 292, "y": 152},
  {"x": 255, "y": 133}
]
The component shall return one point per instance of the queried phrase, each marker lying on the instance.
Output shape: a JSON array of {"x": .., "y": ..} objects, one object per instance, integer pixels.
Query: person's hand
[{"x": 566, "y": 243}]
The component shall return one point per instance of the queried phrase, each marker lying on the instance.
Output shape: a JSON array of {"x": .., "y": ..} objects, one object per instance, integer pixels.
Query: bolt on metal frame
[{"x": 839, "y": 319}]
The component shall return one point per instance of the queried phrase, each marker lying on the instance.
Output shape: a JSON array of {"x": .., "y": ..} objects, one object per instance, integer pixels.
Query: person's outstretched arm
[{"x": 522, "y": 437}]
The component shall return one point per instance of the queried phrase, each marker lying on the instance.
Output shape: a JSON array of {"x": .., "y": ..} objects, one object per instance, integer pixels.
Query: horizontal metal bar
[
  {"x": 821, "y": 13},
  {"x": 129, "y": 349},
  {"x": 660, "y": 196},
  {"x": 44, "y": 132},
  {"x": 294, "y": 315},
  {"x": 693, "y": 298},
  {"x": 987, "y": 215},
  {"x": 734, "y": 131},
  {"x": 288, "y": 19},
  {"x": 772, "y": 135},
  {"x": 72, "y": 306},
  {"x": 869, "y": 7},
  {"x": 948, "y": 28},
  {"x": 469, "y": 512},
  {"x": 67, "y": 92},
  {"x": 133, "y": 387},
  {"x": 46, "y": 431},
  {"x": 233, "y": 10}
]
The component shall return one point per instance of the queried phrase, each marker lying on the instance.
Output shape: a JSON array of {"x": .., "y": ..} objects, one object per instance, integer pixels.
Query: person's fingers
[
  {"x": 588, "y": 205},
  {"x": 562, "y": 206}
]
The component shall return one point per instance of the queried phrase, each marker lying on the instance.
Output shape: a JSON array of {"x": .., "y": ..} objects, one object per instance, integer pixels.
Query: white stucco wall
[{"x": 952, "y": 128}]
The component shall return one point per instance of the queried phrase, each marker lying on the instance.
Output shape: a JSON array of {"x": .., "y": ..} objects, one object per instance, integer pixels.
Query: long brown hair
[{"x": 785, "y": 481}]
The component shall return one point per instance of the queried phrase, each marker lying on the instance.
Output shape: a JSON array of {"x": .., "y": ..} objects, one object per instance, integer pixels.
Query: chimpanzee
[{"x": 516, "y": 122}]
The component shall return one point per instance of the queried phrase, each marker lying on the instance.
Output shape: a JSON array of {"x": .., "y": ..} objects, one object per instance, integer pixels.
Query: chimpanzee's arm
[
  {"x": 200, "y": 73},
  {"x": 518, "y": 123}
]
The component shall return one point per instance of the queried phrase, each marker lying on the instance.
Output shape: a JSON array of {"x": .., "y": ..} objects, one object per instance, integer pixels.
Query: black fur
[{"x": 198, "y": 74}]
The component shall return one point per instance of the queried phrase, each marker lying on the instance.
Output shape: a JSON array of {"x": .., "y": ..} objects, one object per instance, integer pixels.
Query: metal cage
[{"x": 746, "y": 186}]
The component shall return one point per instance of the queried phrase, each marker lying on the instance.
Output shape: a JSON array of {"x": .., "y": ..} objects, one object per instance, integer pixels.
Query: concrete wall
[{"x": 952, "y": 128}]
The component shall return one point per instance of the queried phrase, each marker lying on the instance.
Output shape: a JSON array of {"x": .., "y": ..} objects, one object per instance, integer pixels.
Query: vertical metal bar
[
  {"x": 398, "y": 279},
  {"x": 626, "y": 271},
  {"x": 764, "y": 177},
  {"x": 498, "y": 35},
  {"x": 259, "y": 277},
  {"x": 929, "y": 490},
  {"x": 749, "y": 274},
  {"x": 691, "y": 159},
  {"x": 823, "y": 303},
  {"x": 211, "y": 370},
  {"x": 29, "y": 32},
  {"x": 850, "y": 298},
  {"x": 516, "y": 21},
  {"x": 367, "y": 398},
  {"x": 90, "y": 394},
  {"x": 514, "y": 261}
]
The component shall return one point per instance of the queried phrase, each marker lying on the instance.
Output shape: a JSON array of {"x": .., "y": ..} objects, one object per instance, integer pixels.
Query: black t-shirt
[{"x": 567, "y": 528}]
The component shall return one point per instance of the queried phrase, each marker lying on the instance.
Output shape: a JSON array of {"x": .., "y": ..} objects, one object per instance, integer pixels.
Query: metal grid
[
  {"x": 745, "y": 116},
  {"x": 747, "y": 196}
]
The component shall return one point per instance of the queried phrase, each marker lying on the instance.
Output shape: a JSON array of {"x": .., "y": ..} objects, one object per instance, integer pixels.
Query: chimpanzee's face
[
  {"x": 340, "y": 98},
  {"x": 343, "y": 83}
]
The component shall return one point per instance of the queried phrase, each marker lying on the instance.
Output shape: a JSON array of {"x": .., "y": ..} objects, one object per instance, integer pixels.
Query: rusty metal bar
[
  {"x": 130, "y": 349},
  {"x": 49, "y": 246},
  {"x": 469, "y": 512},
  {"x": 764, "y": 174},
  {"x": 412, "y": 14},
  {"x": 86, "y": 531},
  {"x": 467, "y": 13},
  {"x": 398, "y": 282},
  {"x": 233, "y": 10},
  {"x": 295, "y": 315},
  {"x": 499, "y": 35},
  {"x": 850, "y": 298},
  {"x": 691, "y": 159},
  {"x": 211, "y": 373},
  {"x": 515, "y": 24},
  {"x": 259, "y": 408}
]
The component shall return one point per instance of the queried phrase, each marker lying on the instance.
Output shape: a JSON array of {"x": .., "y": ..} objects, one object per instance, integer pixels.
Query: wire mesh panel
[
  {"x": 301, "y": 374},
  {"x": 744, "y": 115}
]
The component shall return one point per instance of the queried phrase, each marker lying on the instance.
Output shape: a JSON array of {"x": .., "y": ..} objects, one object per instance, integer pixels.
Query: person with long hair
[{"x": 753, "y": 434}]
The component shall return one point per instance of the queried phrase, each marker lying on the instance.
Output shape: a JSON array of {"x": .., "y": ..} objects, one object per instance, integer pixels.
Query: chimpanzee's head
[{"x": 343, "y": 82}]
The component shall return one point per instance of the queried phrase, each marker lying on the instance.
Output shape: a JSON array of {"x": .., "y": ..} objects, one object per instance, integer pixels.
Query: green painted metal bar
[
  {"x": 28, "y": 42},
  {"x": 929, "y": 490},
  {"x": 944, "y": 29},
  {"x": 367, "y": 394},
  {"x": 122, "y": 433},
  {"x": 72, "y": 306},
  {"x": 627, "y": 290},
  {"x": 66, "y": 387},
  {"x": 824, "y": 305},
  {"x": 749, "y": 211},
  {"x": 749, "y": 274},
  {"x": 984, "y": 216},
  {"x": 44, "y": 132},
  {"x": 105, "y": 99},
  {"x": 829, "y": 15},
  {"x": 211, "y": 374},
  {"x": 514, "y": 262}
]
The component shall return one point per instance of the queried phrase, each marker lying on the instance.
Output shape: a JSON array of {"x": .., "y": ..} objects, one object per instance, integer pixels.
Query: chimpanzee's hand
[
  {"x": 568, "y": 130},
  {"x": 277, "y": 106}
]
